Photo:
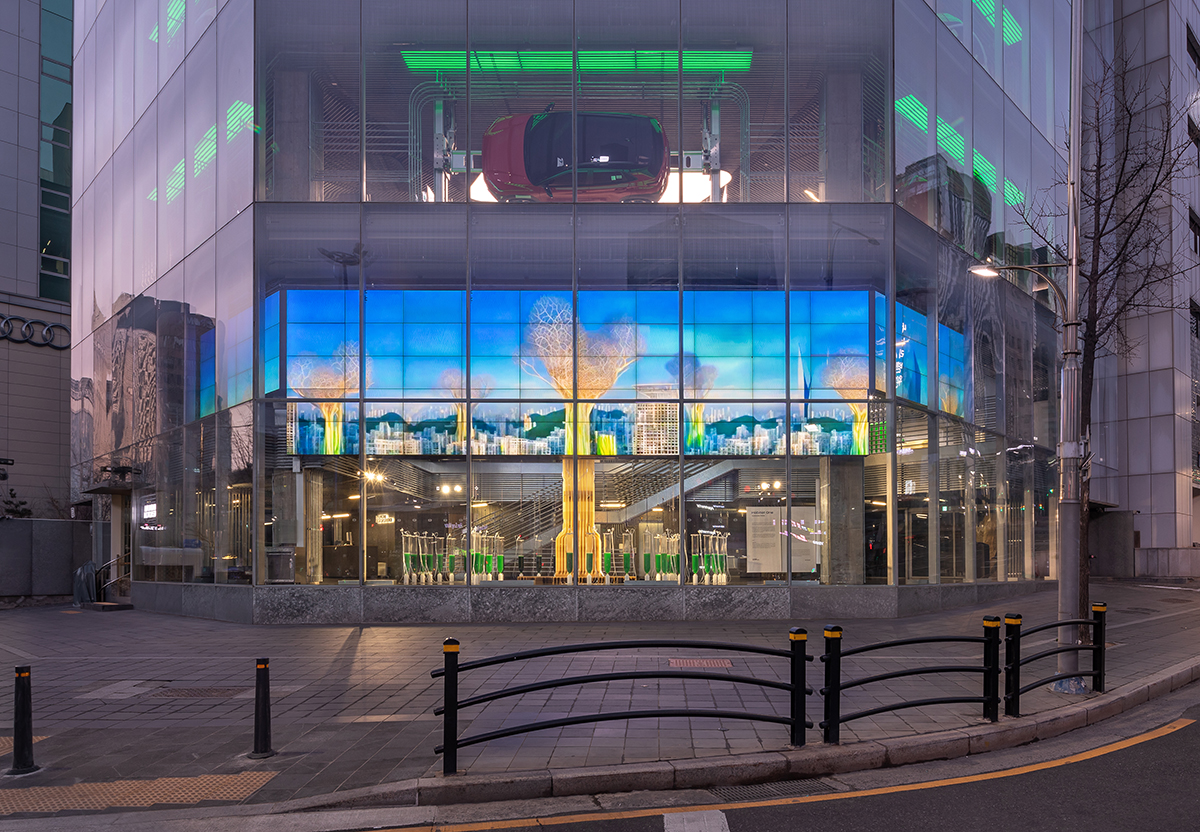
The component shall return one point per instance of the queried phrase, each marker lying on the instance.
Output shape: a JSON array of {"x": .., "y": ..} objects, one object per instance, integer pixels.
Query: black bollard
[
  {"x": 450, "y": 648},
  {"x": 1012, "y": 664},
  {"x": 991, "y": 668},
  {"x": 262, "y": 711},
  {"x": 22, "y": 725},
  {"x": 798, "y": 639},
  {"x": 1099, "y": 611},
  {"x": 833, "y": 685}
]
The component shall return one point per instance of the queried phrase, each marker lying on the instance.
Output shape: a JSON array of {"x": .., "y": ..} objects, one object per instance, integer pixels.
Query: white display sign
[
  {"x": 764, "y": 539},
  {"x": 808, "y": 534}
]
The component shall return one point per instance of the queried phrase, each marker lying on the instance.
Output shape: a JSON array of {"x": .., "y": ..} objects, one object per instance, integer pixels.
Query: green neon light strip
[
  {"x": 624, "y": 61},
  {"x": 206, "y": 151},
  {"x": 987, "y": 8},
  {"x": 1012, "y": 29},
  {"x": 986, "y": 171},
  {"x": 912, "y": 109},
  {"x": 1012, "y": 194},
  {"x": 951, "y": 141},
  {"x": 239, "y": 117},
  {"x": 176, "y": 181},
  {"x": 175, "y": 13}
]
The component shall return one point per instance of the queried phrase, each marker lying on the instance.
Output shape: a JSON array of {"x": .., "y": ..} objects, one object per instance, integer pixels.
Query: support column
[{"x": 841, "y": 502}]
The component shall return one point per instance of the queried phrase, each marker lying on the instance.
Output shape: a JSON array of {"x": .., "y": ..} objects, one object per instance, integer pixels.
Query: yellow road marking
[{"x": 562, "y": 820}]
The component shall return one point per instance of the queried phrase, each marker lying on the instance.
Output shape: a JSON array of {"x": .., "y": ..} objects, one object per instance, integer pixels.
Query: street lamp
[{"x": 1069, "y": 457}]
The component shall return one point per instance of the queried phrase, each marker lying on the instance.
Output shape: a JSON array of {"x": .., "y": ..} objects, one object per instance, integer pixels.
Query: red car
[{"x": 620, "y": 158}]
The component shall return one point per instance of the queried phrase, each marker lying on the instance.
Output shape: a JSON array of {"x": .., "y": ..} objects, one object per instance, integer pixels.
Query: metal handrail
[
  {"x": 619, "y": 676},
  {"x": 834, "y": 685},
  {"x": 797, "y": 689},
  {"x": 1053, "y": 625},
  {"x": 615, "y": 645},
  {"x": 902, "y": 642}
]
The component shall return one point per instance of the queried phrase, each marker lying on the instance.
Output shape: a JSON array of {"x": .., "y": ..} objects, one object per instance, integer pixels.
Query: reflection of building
[
  {"x": 656, "y": 428},
  {"x": 36, "y": 270}
]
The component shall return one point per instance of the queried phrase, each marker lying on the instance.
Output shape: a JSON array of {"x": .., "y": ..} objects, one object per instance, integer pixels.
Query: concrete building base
[
  {"x": 301, "y": 604},
  {"x": 1166, "y": 563}
]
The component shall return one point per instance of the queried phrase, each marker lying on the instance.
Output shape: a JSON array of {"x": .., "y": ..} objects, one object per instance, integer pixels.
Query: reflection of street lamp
[
  {"x": 833, "y": 242},
  {"x": 1070, "y": 447}
]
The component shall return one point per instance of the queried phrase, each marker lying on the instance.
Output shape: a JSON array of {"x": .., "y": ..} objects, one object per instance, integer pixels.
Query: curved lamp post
[{"x": 1069, "y": 456}]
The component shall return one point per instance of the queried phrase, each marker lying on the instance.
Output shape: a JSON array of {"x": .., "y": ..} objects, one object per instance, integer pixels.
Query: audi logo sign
[{"x": 38, "y": 333}]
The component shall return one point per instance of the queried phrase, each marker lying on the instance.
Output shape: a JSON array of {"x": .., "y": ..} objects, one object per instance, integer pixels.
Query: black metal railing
[
  {"x": 834, "y": 684},
  {"x": 1013, "y": 662},
  {"x": 797, "y": 688}
]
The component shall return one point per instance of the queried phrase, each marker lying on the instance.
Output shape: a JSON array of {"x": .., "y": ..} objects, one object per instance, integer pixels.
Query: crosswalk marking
[{"x": 695, "y": 822}]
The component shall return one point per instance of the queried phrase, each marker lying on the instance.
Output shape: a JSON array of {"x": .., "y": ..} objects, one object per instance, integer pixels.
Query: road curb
[{"x": 763, "y": 767}]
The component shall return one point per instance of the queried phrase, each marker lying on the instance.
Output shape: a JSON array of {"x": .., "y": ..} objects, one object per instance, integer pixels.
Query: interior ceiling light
[{"x": 596, "y": 61}]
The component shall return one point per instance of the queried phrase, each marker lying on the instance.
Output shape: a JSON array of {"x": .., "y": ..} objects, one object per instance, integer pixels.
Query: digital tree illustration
[
  {"x": 454, "y": 381},
  {"x": 556, "y": 353},
  {"x": 326, "y": 380},
  {"x": 698, "y": 381},
  {"x": 847, "y": 376}
]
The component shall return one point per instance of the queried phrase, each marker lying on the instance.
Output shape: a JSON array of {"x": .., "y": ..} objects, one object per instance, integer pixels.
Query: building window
[
  {"x": 1195, "y": 308},
  {"x": 55, "y": 157},
  {"x": 1194, "y": 224},
  {"x": 1193, "y": 48}
]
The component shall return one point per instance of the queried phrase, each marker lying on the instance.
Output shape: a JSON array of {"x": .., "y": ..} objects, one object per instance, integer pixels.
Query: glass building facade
[{"x": 565, "y": 300}]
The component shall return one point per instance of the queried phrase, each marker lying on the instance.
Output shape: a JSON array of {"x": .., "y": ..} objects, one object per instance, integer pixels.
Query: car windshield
[
  {"x": 620, "y": 142},
  {"x": 607, "y": 141},
  {"x": 547, "y": 146}
]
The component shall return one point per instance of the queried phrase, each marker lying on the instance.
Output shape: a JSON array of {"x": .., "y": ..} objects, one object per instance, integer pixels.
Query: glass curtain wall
[{"x": 603, "y": 295}]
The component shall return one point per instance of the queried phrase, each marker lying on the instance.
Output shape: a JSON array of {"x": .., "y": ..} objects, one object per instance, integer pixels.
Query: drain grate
[
  {"x": 1175, "y": 600},
  {"x": 198, "y": 693},
  {"x": 1137, "y": 611},
  {"x": 701, "y": 663},
  {"x": 766, "y": 791}
]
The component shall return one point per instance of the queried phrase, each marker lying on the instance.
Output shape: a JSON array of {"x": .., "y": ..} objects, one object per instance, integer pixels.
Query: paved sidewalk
[{"x": 122, "y": 698}]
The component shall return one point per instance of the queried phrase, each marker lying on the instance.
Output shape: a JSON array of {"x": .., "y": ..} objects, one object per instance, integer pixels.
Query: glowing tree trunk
[
  {"x": 593, "y": 360},
  {"x": 579, "y": 494},
  {"x": 332, "y": 413},
  {"x": 860, "y": 429},
  {"x": 462, "y": 425},
  {"x": 695, "y": 426},
  {"x": 847, "y": 375}
]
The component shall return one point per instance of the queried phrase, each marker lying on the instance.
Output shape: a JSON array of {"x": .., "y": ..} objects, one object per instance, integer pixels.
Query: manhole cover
[
  {"x": 198, "y": 693},
  {"x": 701, "y": 663},
  {"x": 766, "y": 791}
]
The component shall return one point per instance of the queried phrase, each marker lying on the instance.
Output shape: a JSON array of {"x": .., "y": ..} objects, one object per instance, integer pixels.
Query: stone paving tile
[{"x": 353, "y": 706}]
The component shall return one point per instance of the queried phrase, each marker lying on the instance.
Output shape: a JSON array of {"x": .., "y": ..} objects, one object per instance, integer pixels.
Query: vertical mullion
[
  {"x": 468, "y": 399},
  {"x": 681, "y": 500}
]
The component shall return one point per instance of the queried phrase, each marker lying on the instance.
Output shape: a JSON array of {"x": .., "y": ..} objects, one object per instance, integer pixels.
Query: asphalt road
[
  {"x": 1137, "y": 771},
  {"x": 1153, "y": 784}
]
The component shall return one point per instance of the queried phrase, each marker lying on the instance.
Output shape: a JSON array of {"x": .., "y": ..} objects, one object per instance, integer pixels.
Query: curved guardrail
[
  {"x": 797, "y": 688},
  {"x": 834, "y": 684}
]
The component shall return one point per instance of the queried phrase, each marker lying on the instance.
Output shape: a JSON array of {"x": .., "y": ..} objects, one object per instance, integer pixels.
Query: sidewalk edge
[{"x": 747, "y": 769}]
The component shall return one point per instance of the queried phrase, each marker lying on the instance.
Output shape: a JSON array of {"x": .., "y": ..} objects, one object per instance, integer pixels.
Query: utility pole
[{"x": 1070, "y": 451}]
